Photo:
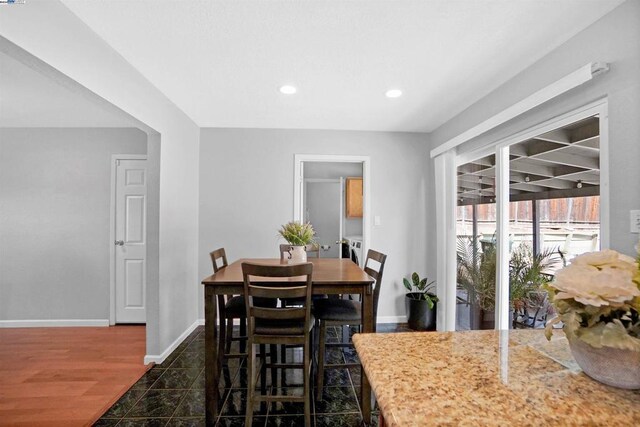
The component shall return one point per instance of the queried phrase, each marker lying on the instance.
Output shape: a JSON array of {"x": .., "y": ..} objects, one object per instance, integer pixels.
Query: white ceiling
[
  {"x": 222, "y": 62},
  {"x": 28, "y": 98}
]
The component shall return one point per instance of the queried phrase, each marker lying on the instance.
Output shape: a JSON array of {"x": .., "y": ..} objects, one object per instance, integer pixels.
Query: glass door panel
[
  {"x": 476, "y": 245},
  {"x": 554, "y": 187}
]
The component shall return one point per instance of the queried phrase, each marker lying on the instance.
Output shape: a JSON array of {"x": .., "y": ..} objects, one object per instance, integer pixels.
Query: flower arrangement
[
  {"x": 597, "y": 298},
  {"x": 297, "y": 233}
]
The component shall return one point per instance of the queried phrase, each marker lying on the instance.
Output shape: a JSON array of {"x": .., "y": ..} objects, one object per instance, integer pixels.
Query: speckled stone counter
[{"x": 487, "y": 378}]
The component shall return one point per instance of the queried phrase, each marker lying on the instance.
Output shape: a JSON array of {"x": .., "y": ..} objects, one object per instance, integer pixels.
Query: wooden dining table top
[{"x": 326, "y": 271}]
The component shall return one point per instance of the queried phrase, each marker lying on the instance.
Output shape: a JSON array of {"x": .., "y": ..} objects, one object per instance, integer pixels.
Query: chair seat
[
  {"x": 338, "y": 310},
  {"x": 281, "y": 327},
  {"x": 235, "y": 308},
  {"x": 288, "y": 302}
]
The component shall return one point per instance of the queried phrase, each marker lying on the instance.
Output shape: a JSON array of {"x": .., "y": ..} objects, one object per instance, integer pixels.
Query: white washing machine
[{"x": 355, "y": 249}]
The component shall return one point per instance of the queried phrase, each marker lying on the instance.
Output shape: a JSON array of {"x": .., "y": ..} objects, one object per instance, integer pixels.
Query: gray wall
[
  {"x": 331, "y": 170},
  {"x": 102, "y": 74},
  {"x": 54, "y": 220},
  {"x": 614, "y": 39},
  {"x": 246, "y": 193}
]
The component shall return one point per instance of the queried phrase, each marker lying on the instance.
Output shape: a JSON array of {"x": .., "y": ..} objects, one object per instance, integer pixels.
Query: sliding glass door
[{"x": 521, "y": 218}]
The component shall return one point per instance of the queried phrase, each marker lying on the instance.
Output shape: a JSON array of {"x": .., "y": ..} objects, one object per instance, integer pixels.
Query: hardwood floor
[{"x": 66, "y": 376}]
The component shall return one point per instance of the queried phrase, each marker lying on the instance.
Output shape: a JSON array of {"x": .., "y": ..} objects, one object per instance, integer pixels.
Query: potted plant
[
  {"x": 298, "y": 235},
  {"x": 597, "y": 298},
  {"x": 477, "y": 276},
  {"x": 420, "y": 303},
  {"x": 528, "y": 273}
]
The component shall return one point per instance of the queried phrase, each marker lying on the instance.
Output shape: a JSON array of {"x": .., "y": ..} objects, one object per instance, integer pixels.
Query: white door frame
[
  {"x": 298, "y": 180},
  {"x": 446, "y": 165},
  {"x": 112, "y": 232}
]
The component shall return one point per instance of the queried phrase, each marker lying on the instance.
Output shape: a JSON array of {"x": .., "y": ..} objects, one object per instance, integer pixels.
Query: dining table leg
[
  {"x": 367, "y": 327},
  {"x": 211, "y": 371}
]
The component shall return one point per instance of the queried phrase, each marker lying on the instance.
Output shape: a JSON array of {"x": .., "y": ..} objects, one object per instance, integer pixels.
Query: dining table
[{"x": 331, "y": 276}]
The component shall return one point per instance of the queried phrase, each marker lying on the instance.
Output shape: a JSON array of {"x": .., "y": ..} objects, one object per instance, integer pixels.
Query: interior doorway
[{"x": 338, "y": 211}]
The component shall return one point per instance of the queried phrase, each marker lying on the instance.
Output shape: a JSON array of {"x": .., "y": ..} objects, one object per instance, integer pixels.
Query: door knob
[{"x": 119, "y": 242}]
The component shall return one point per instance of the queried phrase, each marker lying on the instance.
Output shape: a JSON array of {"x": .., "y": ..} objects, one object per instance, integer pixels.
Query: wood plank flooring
[{"x": 66, "y": 376}]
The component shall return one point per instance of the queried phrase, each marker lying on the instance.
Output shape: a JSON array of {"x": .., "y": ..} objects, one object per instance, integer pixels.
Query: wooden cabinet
[{"x": 354, "y": 197}]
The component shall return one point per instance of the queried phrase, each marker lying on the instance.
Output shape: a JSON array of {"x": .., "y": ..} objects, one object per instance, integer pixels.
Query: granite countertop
[{"x": 487, "y": 378}]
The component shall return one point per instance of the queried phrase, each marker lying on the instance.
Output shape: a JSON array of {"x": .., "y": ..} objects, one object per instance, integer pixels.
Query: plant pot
[
  {"x": 610, "y": 366},
  {"x": 486, "y": 319},
  {"x": 419, "y": 316},
  {"x": 296, "y": 254}
]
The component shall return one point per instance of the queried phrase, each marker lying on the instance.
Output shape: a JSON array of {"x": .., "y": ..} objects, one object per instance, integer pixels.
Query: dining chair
[
  {"x": 284, "y": 250},
  {"x": 234, "y": 307},
  {"x": 313, "y": 251},
  {"x": 229, "y": 308},
  {"x": 533, "y": 313},
  {"x": 341, "y": 312},
  {"x": 278, "y": 325}
]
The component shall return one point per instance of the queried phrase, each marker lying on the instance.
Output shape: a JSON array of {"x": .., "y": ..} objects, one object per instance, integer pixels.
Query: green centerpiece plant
[{"x": 298, "y": 235}]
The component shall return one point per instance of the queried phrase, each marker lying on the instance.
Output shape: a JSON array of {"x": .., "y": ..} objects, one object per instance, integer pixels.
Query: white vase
[
  {"x": 297, "y": 254},
  {"x": 610, "y": 366}
]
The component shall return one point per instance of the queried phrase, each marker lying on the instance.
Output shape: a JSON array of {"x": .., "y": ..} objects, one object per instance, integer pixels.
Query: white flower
[
  {"x": 597, "y": 299},
  {"x": 606, "y": 259},
  {"x": 598, "y": 279},
  {"x": 596, "y": 287}
]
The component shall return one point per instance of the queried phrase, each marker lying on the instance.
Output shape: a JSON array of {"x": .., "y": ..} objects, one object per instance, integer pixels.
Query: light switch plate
[
  {"x": 635, "y": 221},
  {"x": 376, "y": 220}
]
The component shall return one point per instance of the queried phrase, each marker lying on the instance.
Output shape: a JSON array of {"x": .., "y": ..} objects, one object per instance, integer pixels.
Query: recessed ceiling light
[
  {"x": 393, "y": 93},
  {"x": 288, "y": 89}
]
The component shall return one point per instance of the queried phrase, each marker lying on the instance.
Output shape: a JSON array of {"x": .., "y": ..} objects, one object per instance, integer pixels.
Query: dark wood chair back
[
  {"x": 215, "y": 256},
  {"x": 291, "y": 322},
  {"x": 380, "y": 258},
  {"x": 312, "y": 249}
]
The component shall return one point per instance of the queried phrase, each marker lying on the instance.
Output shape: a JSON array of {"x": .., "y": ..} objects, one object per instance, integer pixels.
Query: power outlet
[{"x": 635, "y": 221}]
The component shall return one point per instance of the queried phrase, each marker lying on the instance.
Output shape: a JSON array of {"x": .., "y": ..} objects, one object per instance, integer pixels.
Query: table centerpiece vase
[
  {"x": 298, "y": 235},
  {"x": 597, "y": 298}
]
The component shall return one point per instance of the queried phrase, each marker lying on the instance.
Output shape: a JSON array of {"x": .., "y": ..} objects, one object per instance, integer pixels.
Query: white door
[
  {"x": 131, "y": 241},
  {"x": 324, "y": 211}
]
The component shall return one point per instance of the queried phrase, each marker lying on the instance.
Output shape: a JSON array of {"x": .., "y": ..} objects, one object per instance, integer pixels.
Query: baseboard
[
  {"x": 53, "y": 323},
  {"x": 235, "y": 322},
  {"x": 159, "y": 358},
  {"x": 392, "y": 319},
  {"x": 381, "y": 319}
]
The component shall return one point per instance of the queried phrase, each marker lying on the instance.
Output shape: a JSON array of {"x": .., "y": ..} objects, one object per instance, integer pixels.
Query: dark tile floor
[{"x": 172, "y": 393}]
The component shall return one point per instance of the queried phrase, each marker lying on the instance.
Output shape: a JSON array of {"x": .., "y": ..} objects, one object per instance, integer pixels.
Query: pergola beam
[
  {"x": 561, "y": 136},
  {"x": 528, "y": 187},
  {"x": 551, "y": 165},
  {"x": 569, "y": 159},
  {"x": 556, "y": 183},
  {"x": 529, "y": 168}
]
